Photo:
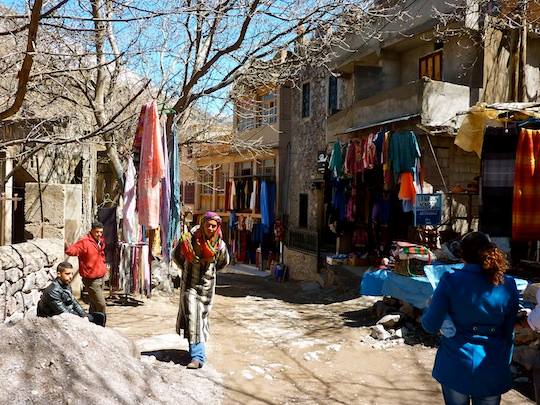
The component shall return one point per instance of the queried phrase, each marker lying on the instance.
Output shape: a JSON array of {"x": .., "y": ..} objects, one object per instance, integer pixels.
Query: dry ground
[{"x": 273, "y": 343}]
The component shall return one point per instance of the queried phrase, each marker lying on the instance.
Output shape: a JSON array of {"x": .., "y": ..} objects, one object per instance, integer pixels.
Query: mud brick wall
[{"x": 26, "y": 269}]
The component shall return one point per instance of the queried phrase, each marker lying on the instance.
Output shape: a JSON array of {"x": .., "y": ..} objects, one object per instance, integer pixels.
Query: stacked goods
[{"x": 410, "y": 259}]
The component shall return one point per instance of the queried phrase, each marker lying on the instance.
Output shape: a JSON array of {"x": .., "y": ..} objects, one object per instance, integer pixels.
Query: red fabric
[
  {"x": 526, "y": 205},
  {"x": 350, "y": 159},
  {"x": 91, "y": 257}
]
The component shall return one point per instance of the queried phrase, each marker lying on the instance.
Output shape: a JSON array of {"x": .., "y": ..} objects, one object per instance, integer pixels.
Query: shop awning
[{"x": 376, "y": 124}]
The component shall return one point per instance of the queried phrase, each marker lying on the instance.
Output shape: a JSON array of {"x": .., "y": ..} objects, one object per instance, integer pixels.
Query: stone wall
[
  {"x": 302, "y": 266},
  {"x": 62, "y": 211},
  {"x": 25, "y": 270}
]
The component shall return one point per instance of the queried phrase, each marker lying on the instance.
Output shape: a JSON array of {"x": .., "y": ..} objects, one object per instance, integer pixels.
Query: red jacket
[{"x": 91, "y": 256}]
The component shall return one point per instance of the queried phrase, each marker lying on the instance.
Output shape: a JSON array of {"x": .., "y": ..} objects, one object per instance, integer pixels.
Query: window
[
  {"x": 222, "y": 175},
  {"x": 431, "y": 66},
  {"x": 306, "y": 100},
  {"x": 188, "y": 195},
  {"x": 303, "y": 212},
  {"x": 245, "y": 115},
  {"x": 206, "y": 179},
  {"x": 269, "y": 109},
  {"x": 266, "y": 167},
  {"x": 243, "y": 168},
  {"x": 333, "y": 95}
]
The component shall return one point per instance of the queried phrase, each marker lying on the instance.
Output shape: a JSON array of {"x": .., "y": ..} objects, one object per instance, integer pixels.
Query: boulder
[
  {"x": 13, "y": 275},
  {"x": 29, "y": 283},
  {"x": 15, "y": 287},
  {"x": 378, "y": 332},
  {"x": 390, "y": 320}
]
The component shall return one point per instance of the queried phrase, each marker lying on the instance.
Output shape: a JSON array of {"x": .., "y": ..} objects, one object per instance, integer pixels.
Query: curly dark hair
[{"x": 477, "y": 248}]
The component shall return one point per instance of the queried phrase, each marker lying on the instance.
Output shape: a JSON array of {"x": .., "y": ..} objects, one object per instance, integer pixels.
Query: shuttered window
[{"x": 431, "y": 66}]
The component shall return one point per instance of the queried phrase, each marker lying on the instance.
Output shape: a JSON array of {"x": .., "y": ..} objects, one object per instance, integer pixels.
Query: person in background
[
  {"x": 57, "y": 298},
  {"x": 199, "y": 254},
  {"x": 482, "y": 302},
  {"x": 90, "y": 250}
]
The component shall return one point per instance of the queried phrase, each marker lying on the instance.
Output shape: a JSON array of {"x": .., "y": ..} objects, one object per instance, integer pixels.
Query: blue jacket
[{"x": 476, "y": 361}]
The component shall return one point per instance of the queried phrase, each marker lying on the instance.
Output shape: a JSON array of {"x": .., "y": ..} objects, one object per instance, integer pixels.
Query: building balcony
[
  {"x": 265, "y": 135},
  {"x": 431, "y": 103}
]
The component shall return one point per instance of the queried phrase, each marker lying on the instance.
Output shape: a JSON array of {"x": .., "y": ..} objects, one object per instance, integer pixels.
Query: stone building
[{"x": 52, "y": 193}]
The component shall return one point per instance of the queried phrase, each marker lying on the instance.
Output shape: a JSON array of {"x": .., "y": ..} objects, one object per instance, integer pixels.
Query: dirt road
[{"x": 276, "y": 344}]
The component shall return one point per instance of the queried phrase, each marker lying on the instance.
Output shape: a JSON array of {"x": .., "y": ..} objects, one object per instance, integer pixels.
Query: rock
[
  {"x": 15, "y": 287},
  {"x": 11, "y": 305},
  {"x": 27, "y": 270},
  {"x": 390, "y": 320},
  {"x": 29, "y": 283},
  {"x": 524, "y": 336},
  {"x": 13, "y": 275},
  {"x": 16, "y": 317},
  {"x": 2, "y": 276},
  {"x": 10, "y": 258},
  {"x": 530, "y": 292},
  {"x": 399, "y": 333},
  {"x": 20, "y": 301},
  {"x": 391, "y": 302},
  {"x": 378, "y": 332},
  {"x": 526, "y": 356},
  {"x": 42, "y": 279},
  {"x": 407, "y": 310},
  {"x": 380, "y": 309},
  {"x": 309, "y": 286},
  {"x": 31, "y": 299}
]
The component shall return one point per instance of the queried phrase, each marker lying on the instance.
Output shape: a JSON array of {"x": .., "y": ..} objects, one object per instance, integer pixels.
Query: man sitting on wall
[{"x": 57, "y": 298}]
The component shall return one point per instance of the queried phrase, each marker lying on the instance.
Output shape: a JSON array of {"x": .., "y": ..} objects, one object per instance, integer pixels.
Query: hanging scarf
[{"x": 208, "y": 248}]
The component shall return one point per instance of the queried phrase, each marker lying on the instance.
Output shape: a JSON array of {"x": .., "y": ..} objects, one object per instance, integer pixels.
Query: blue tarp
[{"x": 415, "y": 290}]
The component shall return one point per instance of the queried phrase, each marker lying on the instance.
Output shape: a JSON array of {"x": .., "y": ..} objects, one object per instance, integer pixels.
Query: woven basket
[{"x": 411, "y": 267}]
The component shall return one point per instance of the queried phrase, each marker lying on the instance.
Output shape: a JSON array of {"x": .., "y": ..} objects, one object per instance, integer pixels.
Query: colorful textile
[
  {"x": 358, "y": 156},
  {"x": 151, "y": 169},
  {"x": 387, "y": 172},
  {"x": 197, "y": 290},
  {"x": 175, "y": 180},
  {"x": 526, "y": 207},
  {"x": 165, "y": 204},
  {"x": 268, "y": 197},
  {"x": 497, "y": 185},
  {"x": 470, "y": 136},
  {"x": 370, "y": 152},
  {"x": 129, "y": 220}
]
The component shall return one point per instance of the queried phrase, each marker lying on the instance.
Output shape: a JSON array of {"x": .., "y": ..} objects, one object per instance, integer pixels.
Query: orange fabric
[
  {"x": 526, "y": 204},
  {"x": 407, "y": 190}
]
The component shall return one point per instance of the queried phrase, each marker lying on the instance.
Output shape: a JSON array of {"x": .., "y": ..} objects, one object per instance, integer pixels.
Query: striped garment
[
  {"x": 197, "y": 292},
  {"x": 526, "y": 207}
]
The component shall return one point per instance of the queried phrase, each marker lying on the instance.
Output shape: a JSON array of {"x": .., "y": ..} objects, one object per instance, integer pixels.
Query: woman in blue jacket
[{"x": 482, "y": 302}]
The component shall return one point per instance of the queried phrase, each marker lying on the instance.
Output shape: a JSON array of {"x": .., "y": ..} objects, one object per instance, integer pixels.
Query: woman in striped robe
[{"x": 199, "y": 254}]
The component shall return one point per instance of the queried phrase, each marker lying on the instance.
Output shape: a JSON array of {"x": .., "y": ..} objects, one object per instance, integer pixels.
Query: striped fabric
[
  {"x": 526, "y": 207},
  {"x": 197, "y": 292}
]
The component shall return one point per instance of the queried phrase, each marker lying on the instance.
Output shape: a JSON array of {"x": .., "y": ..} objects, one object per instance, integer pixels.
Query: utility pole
[{"x": 522, "y": 64}]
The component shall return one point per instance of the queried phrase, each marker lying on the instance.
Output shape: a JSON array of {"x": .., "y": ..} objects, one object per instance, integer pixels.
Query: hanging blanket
[
  {"x": 526, "y": 208},
  {"x": 497, "y": 186}
]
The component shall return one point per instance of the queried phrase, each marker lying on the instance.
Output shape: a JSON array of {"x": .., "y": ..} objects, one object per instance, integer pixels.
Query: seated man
[{"x": 57, "y": 298}]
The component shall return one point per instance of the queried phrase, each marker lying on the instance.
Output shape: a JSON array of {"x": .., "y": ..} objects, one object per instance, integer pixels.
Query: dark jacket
[{"x": 57, "y": 298}]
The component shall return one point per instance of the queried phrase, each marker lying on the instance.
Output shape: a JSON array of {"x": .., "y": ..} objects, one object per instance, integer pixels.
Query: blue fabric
[
  {"x": 476, "y": 360},
  {"x": 452, "y": 397},
  {"x": 372, "y": 282},
  {"x": 174, "y": 230},
  {"x": 338, "y": 198},
  {"x": 197, "y": 352},
  {"x": 165, "y": 202},
  {"x": 265, "y": 214},
  {"x": 268, "y": 199}
]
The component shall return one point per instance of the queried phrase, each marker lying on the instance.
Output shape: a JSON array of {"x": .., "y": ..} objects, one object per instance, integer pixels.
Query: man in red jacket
[{"x": 90, "y": 250}]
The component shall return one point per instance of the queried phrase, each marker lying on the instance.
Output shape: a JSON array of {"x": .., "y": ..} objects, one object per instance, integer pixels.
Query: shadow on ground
[
  {"x": 180, "y": 357},
  {"x": 240, "y": 285}
]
